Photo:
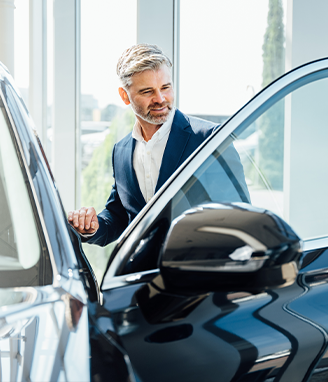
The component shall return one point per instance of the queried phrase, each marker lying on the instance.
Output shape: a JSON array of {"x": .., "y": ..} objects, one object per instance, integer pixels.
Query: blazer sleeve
[{"x": 113, "y": 219}]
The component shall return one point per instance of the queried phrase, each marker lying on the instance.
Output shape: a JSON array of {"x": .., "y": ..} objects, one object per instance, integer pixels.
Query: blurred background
[{"x": 63, "y": 55}]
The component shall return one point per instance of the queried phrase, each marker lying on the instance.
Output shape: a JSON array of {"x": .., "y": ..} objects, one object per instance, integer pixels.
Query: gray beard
[{"x": 155, "y": 120}]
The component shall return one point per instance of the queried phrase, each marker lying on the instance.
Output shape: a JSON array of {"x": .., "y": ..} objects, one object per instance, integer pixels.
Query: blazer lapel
[
  {"x": 132, "y": 180},
  {"x": 175, "y": 147}
]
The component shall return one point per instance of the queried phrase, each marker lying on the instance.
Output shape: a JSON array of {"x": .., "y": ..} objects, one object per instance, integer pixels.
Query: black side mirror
[{"x": 229, "y": 247}]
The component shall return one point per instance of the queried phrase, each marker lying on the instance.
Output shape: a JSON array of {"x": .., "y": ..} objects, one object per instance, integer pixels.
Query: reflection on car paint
[{"x": 36, "y": 341}]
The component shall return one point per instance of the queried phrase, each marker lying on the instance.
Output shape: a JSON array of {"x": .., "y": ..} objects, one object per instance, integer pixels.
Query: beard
[{"x": 153, "y": 119}]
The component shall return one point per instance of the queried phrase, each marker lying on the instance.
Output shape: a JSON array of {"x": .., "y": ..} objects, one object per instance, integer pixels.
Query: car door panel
[{"x": 228, "y": 336}]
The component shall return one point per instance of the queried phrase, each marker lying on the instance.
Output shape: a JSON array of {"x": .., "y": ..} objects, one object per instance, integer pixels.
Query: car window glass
[
  {"x": 282, "y": 154},
  {"x": 220, "y": 179},
  {"x": 284, "y": 164},
  {"x": 20, "y": 248},
  {"x": 145, "y": 255}
]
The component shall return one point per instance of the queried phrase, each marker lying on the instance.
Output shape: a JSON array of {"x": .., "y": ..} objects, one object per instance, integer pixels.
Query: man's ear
[{"x": 124, "y": 96}]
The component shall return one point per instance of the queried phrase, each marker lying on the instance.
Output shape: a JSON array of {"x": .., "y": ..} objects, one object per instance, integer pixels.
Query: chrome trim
[
  {"x": 254, "y": 264},
  {"x": 270, "y": 357},
  {"x": 133, "y": 278},
  {"x": 244, "y": 236},
  {"x": 140, "y": 224},
  {"x": 36, "y": 201},
  {"x": 316, "y": 243}
]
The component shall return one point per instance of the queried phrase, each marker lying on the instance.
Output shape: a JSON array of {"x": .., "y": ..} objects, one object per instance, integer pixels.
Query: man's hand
[{"x": 84, "y": 220}]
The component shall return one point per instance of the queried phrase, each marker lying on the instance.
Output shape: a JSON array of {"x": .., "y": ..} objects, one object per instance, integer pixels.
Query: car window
[
  {"x": 220, "y": 179},
  {"x": 22, "y": 260},
  {"x": 275, "y": 159},
  {"x": 283, "y": 155}
]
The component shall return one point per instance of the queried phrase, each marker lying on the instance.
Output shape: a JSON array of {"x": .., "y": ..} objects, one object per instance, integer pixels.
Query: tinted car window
[
  {"x": 220, "y": 179},
  {"x": 23, "y": 261}
]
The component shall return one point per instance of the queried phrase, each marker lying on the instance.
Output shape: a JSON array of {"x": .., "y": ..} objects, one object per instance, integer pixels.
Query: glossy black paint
[
  {"x": 229, "y": 247},
  {"x": 109, "y": 361},
  {"x": 251, "y": 336}
]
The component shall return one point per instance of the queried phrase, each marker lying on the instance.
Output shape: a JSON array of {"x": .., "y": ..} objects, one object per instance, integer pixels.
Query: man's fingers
[
  {"x": 89, "y": 217},
  {"x": 75, "y": 218},
  {"x": 84, "y": 220},
  {"x": 81, "y": 218},
  {"x": 94, "y": 222}
]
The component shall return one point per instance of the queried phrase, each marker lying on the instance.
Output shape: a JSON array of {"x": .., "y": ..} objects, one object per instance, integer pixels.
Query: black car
[{"x": 197, "y": 288}]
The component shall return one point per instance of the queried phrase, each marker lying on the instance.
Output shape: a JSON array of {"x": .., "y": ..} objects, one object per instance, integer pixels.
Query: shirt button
[
  {"x": 147, "y": 175},
  {"x": 148, "y": 152}
]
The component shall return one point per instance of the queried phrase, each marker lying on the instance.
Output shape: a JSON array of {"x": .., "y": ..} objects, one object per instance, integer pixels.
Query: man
[{"x": 162, "y": 138}]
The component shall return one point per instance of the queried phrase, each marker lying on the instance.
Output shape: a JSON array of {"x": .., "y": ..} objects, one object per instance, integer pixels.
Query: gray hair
[{"x": 139, "y": 58}]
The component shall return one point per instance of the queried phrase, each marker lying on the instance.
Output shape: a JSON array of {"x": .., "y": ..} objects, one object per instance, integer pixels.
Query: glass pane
[
  {"x": 282, "y": 157},
  {"x": 104, "y": 117},
  {"x": 219, "y": 179},
  {"x": 261, "y": 150},
  {"x": 241, "y": 49}
]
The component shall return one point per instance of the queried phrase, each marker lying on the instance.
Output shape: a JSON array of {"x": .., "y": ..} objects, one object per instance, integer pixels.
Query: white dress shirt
[{"x": 147, "y": 156}]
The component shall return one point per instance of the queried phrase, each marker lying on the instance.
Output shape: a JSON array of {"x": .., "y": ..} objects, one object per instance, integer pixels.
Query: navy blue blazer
[{"x": 126, "y": 199}]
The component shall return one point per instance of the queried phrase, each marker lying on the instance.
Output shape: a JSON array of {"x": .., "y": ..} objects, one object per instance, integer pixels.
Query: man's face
[{"x": 151, "y": 95}]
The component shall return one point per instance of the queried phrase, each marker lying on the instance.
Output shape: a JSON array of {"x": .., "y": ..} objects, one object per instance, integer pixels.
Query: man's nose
[{"x": 158, "y": 97}]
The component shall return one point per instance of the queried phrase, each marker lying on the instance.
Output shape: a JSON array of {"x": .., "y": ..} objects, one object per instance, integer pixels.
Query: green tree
[
  {"x": 271, "y": 124},
  {"x": 97, "y": 180},
  {"x": 274, "y": 44}
]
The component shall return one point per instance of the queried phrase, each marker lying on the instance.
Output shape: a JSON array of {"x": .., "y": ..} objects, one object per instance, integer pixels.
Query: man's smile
[{"x": 159, "y": 109}]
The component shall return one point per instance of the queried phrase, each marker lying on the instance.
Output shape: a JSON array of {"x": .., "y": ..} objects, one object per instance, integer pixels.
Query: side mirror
[{"x": 229, "y": 247}]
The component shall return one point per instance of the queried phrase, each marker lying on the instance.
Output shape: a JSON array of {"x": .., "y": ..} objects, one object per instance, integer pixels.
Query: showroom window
[
  {"x": 107, "y": 29},
  {"x": 229, "y": 50},
  {"x": 22, "y": 45}
]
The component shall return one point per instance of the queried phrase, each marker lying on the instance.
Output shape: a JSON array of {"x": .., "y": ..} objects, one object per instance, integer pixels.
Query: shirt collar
[{"x": 161, "y": 132}]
